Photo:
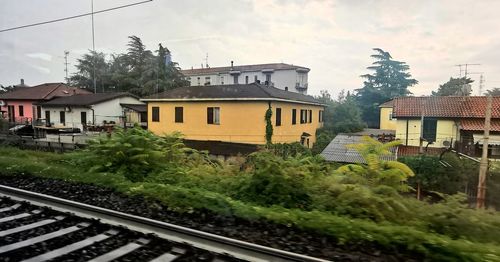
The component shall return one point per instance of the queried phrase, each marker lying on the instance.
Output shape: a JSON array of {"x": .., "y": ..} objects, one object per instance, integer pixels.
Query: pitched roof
[
  {"x": 445, "y": 106},
  {"x": 242, "y": 68},
  {"x": 84, "y": 100},
  {"x": 389, "y": 103},
  {"x": 337, "y": 150},
  {"x": 45, "y": 91},
  {"x": 478, "y": 124},
  {"x": 142, "y": 108},
  {"x": 252, "y": 91}
]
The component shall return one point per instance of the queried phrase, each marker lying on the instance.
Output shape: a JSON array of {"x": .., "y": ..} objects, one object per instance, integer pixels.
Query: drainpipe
[
  {"x": 93, "y": 117},
  {"x": 407, "y": 124}
]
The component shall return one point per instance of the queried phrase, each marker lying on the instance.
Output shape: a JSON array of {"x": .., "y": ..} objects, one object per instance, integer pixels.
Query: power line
[{"x": 73, "y": 17}]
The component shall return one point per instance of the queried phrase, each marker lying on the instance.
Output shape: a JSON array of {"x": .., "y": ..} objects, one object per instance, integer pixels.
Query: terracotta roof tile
[
  {"x": 478, "y": 125},
  {"x": 45, "y": 91},
  {"x": 445, "y": 106}
]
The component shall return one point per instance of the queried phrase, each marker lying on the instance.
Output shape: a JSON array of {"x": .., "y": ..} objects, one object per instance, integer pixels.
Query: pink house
[{"x": 18, "y": 106}]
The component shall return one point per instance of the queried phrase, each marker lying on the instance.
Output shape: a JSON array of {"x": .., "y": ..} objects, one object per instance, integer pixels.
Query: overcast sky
[{"x": 333, "y": 38}]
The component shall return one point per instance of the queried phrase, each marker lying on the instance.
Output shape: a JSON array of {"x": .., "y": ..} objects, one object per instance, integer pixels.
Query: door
[
  {"x": 11, "y": 114},
  {"x": 83, "y": 117},
  {"x": 47, "y": 118},
  {"x": 62, "y": 118}
]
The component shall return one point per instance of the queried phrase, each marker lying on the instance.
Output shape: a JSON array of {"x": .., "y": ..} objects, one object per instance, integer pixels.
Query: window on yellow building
[
  {"x": 179, "y": 114},
  {"x": 320, "y": 116},
  {"x": 213, "y": 115},
  {"x": 278, "y": 116},
  {"x": 303, "y": 116},
  {"x": 294, "y": 116},
  {"x": 310, "y": 116},
  {"x": 430, "y": 128},
  {"x": 155, "y": 114}
]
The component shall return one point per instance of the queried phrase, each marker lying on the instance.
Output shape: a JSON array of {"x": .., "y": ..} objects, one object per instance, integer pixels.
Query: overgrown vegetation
[{"x": 299, "y": 190}]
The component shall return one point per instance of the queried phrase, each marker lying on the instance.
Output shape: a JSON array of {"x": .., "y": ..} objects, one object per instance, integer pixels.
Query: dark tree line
[{"x": 139, "y": 70}]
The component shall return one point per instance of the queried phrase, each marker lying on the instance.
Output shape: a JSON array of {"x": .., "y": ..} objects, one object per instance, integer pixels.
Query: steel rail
[{"x": 212, "y": 242}]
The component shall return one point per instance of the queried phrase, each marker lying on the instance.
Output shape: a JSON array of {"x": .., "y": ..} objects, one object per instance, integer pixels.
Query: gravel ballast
[{"x": 259, "y": 232}]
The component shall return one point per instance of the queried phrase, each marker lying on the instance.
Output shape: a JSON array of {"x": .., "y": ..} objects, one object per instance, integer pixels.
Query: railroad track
[{"x": 38, "y": 227}]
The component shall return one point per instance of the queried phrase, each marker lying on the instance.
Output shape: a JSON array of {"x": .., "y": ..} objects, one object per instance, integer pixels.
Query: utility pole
[
  {"x": 483, "y": 166},
  {"x": 93, "y": 46},
  {"x": 66, "y": 53}
]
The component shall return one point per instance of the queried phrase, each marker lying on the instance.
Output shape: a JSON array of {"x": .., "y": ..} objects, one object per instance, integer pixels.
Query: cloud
[
  {"x": 42, "y": 56},
  {"x": 41, "y": 69}
]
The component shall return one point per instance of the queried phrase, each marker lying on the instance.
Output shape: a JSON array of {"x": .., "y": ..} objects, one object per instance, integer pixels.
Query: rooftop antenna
[
  {"x": 206, "y": 62},
  {"x": 66, "y": 53},
  {"x": 465, "y": 66}
]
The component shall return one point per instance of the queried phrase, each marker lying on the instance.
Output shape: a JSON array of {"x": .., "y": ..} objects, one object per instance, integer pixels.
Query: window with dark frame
[
  {"x": 303, "y": 116},
  {"x": 179, "y": 114},
  {"x": 213, "y": 115},
  {"x": 155, "y": 116},
  {"x": 38, "y": 112},
  {"x": 246, "y": 79},
  {"x": 294, "y": 116},
  {"x": 278, "y": 116},
  {"x": 21, "y": 110},
  {"x": 429, "y": 129},
  {"x": 310, "y": 116},
  {"x": 47, "y": 117}
]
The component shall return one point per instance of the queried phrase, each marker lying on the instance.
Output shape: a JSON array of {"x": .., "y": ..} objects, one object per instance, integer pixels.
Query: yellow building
[
  {"x": 442, "y": 122},
  {"x": 387, "y": 121},
  {"x": 235, "y": 113}
]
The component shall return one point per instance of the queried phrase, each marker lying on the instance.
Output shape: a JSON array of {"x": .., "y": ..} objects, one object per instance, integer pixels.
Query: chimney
[
  {"x": 232, "y": 64},
  {"x": 22, "y": 81}
]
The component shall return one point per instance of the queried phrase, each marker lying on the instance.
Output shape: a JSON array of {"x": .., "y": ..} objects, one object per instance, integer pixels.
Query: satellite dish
[
  {"x": 2, "y": 103},
  {"x": 446, "y": 143}
]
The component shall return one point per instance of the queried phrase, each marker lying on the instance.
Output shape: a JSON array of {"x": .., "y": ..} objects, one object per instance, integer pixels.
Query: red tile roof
[
  {"x": 389, "y": 103},
  {"x": 243, "y": 68},
  {"x": 45, "y": 91},
  {"x": 478, "y": 124},
  {"x": 414, "y": 150},
  {"x": 445, "y": 106}
]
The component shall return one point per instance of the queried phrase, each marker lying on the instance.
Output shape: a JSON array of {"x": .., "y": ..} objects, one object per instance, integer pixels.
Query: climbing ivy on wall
[{"x": 269, "y": 125}]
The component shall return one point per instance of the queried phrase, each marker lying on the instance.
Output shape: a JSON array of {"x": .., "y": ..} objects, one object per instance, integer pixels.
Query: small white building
[
  {"x": 283, "y": 76},
  {"x": 80, "y": 111}
]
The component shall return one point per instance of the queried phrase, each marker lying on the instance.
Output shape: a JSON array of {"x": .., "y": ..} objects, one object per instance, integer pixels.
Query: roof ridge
[{"x": 55, "y": 88}]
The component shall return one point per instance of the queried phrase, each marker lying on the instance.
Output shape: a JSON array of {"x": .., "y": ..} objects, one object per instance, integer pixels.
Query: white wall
[
  {"x": 280, "y": 78},
  {"x": 110, "y": 110}
]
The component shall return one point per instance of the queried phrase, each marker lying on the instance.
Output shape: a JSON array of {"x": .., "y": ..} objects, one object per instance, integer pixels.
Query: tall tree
[
  {"x": 390, "y": 79},
  {"x": 455, "y": 87},
  {"x": 138, "y": 71},
  {"x": 84, "y": 76}
]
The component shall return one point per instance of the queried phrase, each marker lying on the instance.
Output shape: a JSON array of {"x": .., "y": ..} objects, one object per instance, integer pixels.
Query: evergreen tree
[
  {"x": 455, "y": 87},
  {"x": 138, "y": 71},
  {"x": 390, "y": 79}
]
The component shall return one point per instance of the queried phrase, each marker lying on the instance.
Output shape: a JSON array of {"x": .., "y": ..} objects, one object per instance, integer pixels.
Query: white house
[
  {"x": 79, "y": 111},
  {"x": 283, "y": 76}
]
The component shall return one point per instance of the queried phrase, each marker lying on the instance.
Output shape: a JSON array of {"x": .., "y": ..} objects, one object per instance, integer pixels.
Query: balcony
[{"x": 301, "y": 87}]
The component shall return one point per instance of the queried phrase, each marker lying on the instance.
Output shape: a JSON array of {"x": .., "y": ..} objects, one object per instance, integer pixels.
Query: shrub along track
[{"x": 260, "y": 232}]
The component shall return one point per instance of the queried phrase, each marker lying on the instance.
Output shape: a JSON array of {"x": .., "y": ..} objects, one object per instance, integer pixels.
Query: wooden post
[{"x": 483, "y": 166}]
